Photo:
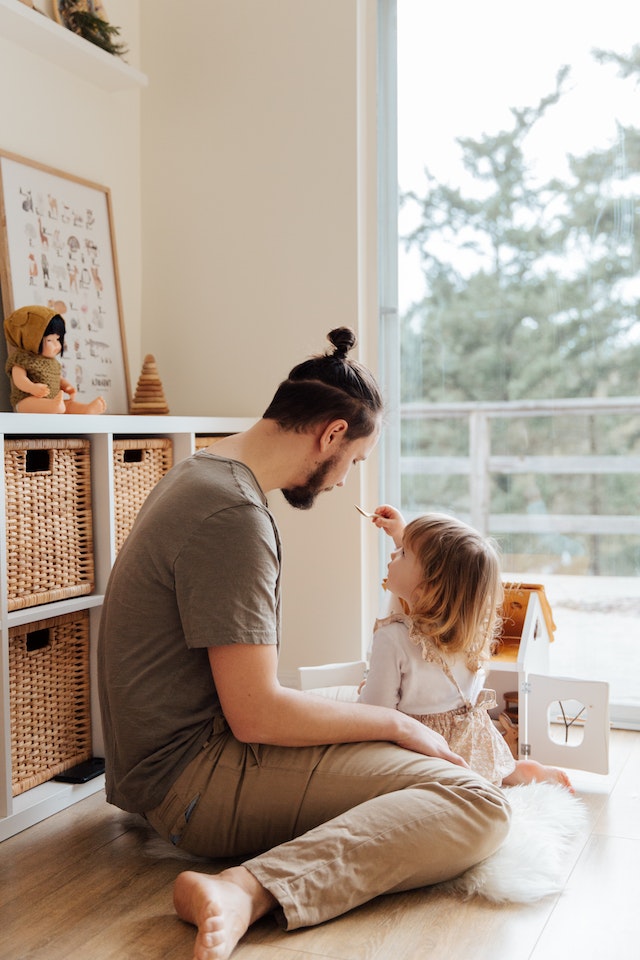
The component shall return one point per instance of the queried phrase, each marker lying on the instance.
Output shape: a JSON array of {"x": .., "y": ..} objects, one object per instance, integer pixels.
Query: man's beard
[{"x": 304, "y": 496}]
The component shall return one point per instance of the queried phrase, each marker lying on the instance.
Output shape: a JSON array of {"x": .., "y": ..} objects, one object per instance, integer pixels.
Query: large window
[{"x": 511, "y": 330}]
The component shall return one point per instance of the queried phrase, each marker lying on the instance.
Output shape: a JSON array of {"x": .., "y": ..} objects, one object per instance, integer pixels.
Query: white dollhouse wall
[
  {"x": 545, "y": 724},
  {"x": 548, "y": 706}
]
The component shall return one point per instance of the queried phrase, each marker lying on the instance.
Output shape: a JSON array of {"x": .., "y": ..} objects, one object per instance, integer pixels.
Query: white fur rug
[{"x": 533, "y": 861}]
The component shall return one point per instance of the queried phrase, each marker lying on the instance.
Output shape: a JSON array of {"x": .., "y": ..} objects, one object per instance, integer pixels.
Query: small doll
[{"x": 36, "y": 335}]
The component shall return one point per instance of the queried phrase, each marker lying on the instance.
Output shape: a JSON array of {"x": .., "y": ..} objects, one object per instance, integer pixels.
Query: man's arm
[{"x": 259, "y": 710}]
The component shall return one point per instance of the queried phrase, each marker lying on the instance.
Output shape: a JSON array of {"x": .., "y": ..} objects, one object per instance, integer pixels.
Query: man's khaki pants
[{"x": 329, "y": 828}]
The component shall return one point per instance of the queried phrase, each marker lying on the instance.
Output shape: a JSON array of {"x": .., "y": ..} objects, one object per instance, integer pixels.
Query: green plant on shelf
[{"x": 89, "y": 25}]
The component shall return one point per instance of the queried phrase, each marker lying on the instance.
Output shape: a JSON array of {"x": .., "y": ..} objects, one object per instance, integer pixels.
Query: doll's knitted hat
[{"x": 24, "y": 328}]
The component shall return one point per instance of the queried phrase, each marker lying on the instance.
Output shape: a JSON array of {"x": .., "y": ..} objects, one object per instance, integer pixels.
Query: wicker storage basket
[
  {"x": 49, "y": 520},
  {"x": 138, "y": 464},
  {"x": 202, "y": 441},
  {"x": 49, "y": 698}
]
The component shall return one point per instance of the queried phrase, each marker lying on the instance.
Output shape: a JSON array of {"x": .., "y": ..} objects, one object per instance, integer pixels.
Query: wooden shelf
[{"x": 45, "y": 37}]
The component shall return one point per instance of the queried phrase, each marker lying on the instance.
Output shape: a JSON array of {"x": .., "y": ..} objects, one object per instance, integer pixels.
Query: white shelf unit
[
  {"x": 48, "y": 39},
  {"x": 24, "y": 810}
]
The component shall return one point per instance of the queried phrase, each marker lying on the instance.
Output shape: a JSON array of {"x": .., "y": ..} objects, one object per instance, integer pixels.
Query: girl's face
[
  {"x": 51, "y": 345},
  {"x": 404, "y": 574}
]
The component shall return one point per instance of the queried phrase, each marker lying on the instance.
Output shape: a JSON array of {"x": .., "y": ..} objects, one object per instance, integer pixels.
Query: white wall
[
  {"x": 249, "y": 192},
  {"x": 243, "y": 191},
  {"x": 259, "y": 237}
]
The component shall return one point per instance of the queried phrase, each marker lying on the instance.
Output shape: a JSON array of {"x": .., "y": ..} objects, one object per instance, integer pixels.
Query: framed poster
[{"x": 57, "y": 249}]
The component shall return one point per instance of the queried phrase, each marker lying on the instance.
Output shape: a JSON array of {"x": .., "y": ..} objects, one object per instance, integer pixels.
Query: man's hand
[{"x": 422, "y": 739}]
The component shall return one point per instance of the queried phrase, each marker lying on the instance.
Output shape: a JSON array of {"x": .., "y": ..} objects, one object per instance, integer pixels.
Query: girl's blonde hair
[{"x": 457, "y": 602}]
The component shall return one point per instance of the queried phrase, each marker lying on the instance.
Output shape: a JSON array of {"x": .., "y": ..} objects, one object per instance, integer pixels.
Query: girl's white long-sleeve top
[{"x": 400, "y": 678}]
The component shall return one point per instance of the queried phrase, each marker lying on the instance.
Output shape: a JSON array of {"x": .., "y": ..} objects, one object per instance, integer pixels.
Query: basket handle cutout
[
  {"x": 132, "y": 456},
  {"x": 38, "y": 461},
  {"x": 38, "y": 639}
]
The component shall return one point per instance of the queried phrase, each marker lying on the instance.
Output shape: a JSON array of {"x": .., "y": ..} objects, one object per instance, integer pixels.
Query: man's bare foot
[
  {"x": 222, "y": 907},
  {"x": 528, "y": 771}
]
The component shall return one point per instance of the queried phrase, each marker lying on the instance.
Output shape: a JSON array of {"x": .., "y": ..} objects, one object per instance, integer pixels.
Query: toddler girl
[{"x": 428, "y": 660}]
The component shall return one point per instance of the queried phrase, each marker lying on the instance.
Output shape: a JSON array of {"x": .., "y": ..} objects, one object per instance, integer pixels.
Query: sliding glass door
[{"x": 510, "y": 180}]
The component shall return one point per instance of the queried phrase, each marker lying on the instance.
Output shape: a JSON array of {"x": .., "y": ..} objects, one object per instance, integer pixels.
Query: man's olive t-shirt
[{"x": 201, "y": 567}]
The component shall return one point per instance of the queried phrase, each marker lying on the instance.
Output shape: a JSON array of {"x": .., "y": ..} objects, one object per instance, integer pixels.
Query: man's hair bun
[{"x": 343, "y": 339}]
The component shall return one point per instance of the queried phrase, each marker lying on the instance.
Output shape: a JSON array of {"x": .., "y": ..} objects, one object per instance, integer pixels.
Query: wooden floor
[{"x": 81, "y": 887}]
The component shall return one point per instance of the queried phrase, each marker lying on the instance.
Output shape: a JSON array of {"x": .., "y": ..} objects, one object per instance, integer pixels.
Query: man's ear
[{"x": 332, "y": 434}]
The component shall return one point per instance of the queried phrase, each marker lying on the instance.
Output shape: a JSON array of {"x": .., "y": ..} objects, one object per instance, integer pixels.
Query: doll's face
[{"x": 51, "y": 345}]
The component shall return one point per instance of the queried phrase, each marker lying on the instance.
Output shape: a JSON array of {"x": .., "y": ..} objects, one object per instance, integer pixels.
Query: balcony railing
[
  {"x": 482, "y": 465},
  {"x": 483, "y": 457}
]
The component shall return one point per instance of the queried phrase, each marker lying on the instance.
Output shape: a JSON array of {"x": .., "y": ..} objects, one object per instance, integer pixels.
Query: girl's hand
[
  {"x": 68, "y": 388},
  {"x": 390, "y": 520}
]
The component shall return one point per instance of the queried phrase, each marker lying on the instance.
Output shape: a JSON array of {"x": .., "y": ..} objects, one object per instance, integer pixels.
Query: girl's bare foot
[
  {"x": 528, "y": 771},
  {"x": 222, "y": 907}
]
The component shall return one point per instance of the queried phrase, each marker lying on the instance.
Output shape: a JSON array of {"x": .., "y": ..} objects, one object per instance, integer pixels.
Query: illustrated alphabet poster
[{"x": 57, "y": 250}]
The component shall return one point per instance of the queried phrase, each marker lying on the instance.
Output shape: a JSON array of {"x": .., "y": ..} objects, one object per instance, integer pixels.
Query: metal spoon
[{"x": 364, "y": 513}]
